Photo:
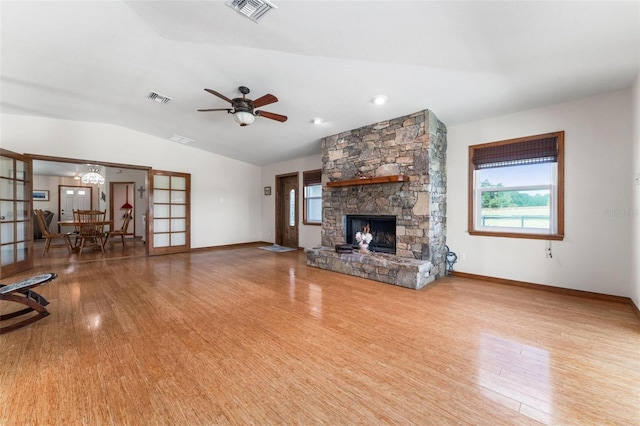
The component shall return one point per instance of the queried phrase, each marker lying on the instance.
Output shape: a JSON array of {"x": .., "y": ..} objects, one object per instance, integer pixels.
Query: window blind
[
  {"x": 515, "y": 154},
  {"x": 312, "y": 177}
]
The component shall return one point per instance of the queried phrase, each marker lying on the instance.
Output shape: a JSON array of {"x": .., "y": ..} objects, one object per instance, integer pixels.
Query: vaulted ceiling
[{"x": 98, "y": 60}]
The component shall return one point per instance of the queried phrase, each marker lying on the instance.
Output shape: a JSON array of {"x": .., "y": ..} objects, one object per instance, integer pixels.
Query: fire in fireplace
[{"x": 383, "y": 231}]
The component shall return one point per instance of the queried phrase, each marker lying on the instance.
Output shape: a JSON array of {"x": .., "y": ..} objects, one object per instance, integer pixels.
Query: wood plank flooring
[{"x": 248, "y": 336}]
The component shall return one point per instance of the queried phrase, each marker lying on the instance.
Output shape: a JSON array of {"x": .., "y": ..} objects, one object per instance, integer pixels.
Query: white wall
[
  {"x": 598, "y": 180},
  {"x": 309, "y": 235},
  {"x": 50, "y": 184},
  {"x": 225, "y": 193},
  {"x": 634, "y": 258}
]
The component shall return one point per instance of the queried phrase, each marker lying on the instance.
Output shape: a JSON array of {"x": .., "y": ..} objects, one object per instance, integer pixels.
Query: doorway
[
  {"x": 121, "y": 200},
  {"x": 287, "y": 210}
]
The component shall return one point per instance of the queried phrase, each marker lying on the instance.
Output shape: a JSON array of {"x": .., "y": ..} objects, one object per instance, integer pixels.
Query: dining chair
[
  {"x": 122, "y": 231},
  {"x": 91, "y": 229},
  {"x": 50, "y": 236},
  {"x": 76, "y": 230}
]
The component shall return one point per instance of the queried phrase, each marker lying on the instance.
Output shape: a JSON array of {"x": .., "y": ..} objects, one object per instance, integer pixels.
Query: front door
[
  {"x": 16, "y": 219},
  {"x": 287, "y": 210},
  {"x": 73, "y": 198}
]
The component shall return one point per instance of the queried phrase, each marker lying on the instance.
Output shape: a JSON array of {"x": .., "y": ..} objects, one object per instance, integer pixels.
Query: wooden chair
[
  {"x": 91, "y": 228},
  {"x": 20, "y": 293},
  {"x": 122, "y": 231},
  {"x": 76, "y": 231},
  {"x": 50, "y": 236}
]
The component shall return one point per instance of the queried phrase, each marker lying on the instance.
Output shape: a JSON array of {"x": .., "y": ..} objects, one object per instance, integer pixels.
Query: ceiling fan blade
[
  {"x": 264, "y": 100},
  {"x": 221, "y": 96},
  {"x": 271, "y": 115},
  {"x": 216, "y": 109}
]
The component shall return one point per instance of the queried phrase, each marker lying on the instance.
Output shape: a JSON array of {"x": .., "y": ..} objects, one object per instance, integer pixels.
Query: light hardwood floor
[{"x": 247, "y": 336}]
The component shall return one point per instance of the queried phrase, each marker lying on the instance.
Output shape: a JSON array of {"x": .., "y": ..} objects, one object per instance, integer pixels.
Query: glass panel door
[
  {"x": 170, "y": 213},
  {"x": 16, "y": 227}
]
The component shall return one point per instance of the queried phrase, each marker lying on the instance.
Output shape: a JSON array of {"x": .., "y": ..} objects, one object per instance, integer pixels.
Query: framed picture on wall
[{"x": 40, "y": 195}]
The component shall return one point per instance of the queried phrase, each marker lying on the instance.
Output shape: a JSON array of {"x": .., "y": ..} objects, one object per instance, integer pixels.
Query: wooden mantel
[{"x": 369, "y": 181}]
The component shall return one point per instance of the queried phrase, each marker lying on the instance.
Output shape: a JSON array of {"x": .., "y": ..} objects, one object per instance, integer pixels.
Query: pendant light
[{"x": 93, "y": 177}]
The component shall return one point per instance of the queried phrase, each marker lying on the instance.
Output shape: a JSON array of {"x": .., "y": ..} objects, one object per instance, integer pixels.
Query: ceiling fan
[{"x": 244, "y": 109}]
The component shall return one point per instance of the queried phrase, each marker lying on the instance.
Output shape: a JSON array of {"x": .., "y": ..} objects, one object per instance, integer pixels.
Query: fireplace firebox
[{"x": 382, "y": 229}]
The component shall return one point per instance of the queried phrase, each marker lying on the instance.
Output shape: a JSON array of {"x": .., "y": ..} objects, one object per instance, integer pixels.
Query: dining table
[
  {"x": 75, "y": 223},
  {"x": 106, "y": 222}
]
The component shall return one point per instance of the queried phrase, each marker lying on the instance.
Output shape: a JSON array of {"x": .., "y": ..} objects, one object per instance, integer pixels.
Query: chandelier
[{"x": 93, "y": 177}]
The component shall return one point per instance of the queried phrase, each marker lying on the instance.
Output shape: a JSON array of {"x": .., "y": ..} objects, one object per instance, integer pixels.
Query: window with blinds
[
  {"x": 312, "y": 193},
  {"x": 516, "y": 187}
]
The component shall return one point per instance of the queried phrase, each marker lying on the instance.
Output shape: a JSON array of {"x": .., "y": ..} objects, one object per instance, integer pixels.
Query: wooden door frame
[
  {"x": 106, "y": 164},
  {"x": 279, "y": 211}
]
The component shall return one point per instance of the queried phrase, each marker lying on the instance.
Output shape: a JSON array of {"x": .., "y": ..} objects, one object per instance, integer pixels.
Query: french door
[
  {"x": 16, "y": 219},
  {"x": 170, "y": 212}
]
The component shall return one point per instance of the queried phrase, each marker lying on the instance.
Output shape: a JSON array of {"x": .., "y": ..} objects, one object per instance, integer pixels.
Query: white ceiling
[{"x": 98, "y": 60}]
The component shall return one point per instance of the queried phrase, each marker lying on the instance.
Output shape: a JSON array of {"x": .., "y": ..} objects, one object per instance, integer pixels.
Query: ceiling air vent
[
  {"x": 252, "y": 9},
  {"x": 157, "y": 97},
  {"x": 180, "y": 139}
]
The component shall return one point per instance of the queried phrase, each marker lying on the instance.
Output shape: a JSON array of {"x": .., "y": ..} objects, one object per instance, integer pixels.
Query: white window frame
[{"x": 553, "y": 201}]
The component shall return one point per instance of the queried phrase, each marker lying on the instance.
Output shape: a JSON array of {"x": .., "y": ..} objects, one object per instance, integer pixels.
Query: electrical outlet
[{"x": 463, "y": 256}]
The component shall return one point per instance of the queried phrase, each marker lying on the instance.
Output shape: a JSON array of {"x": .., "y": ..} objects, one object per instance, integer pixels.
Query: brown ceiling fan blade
[
  {"x": 264, "y": 100},
  {"x": 216, "y": 109},
  {"x": 271, "y": 115},
  {"x": 221, "y": 96}
]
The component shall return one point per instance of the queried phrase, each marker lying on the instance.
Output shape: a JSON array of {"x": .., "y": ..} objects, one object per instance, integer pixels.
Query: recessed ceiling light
[
  {"x": 380, "y": 99},
  {"x": 317, "y": 120}
]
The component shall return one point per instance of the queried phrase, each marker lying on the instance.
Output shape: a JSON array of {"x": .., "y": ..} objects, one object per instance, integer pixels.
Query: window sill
[
  {"x": 312, "y": 223},
  {"x": 554, "y": 237}
]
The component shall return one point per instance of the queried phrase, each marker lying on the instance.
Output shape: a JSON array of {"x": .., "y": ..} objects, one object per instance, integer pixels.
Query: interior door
[
  {"x": 16, "y": 219},
  {"x": 170, "y": 212},
  {"x": 287, "y": 210},
  {"x": 73, "y": 198}
]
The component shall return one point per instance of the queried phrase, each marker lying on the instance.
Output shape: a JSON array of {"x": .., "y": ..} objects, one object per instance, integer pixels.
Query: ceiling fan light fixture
[{"x": 243, "y": 118}]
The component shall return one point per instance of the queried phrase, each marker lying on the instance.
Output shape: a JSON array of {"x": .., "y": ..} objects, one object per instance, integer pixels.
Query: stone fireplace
[{"x": 392, "y": 170}]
